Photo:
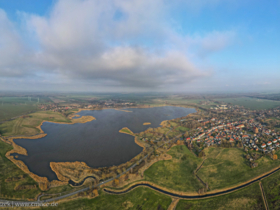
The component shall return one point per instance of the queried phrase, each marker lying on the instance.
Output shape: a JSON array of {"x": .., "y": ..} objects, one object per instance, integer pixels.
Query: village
[{"x": 249, "y": 135}]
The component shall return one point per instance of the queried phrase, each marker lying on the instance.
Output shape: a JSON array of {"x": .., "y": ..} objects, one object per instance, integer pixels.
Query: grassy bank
[
  {"x": 248, "y": 198},
  {"x": 139, "y": 198},
  {"x": 225, "y": 167},
  {"x": 177, "y": 173},
  {"x": 272, "y": 190}
]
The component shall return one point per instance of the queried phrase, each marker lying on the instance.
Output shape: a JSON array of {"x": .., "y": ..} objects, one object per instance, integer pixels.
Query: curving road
[
  {"x": 145, "y": 185},
  {"x": 191, "y": 196}
]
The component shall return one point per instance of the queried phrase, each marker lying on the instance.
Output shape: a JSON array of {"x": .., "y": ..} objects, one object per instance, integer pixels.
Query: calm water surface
[{"x": 97, "y": 143}]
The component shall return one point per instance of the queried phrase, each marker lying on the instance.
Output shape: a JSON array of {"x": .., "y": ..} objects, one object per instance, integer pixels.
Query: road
[
  {"x": 264, "y": 197},
  {"x": 108, "y": 180},
  {"x": 177, "y": 195},
  {"x": 146, "y": 185}
]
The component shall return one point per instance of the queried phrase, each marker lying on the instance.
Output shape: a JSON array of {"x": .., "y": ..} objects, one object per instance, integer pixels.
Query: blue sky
[{"x": 180, "y": 45}]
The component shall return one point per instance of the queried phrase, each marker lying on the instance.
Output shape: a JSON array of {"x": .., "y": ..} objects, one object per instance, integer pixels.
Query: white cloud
[{"x": 127, "y": 43}]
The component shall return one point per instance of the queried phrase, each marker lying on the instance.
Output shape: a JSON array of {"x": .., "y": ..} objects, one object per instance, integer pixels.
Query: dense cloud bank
[{"x": 110, "y": 43}]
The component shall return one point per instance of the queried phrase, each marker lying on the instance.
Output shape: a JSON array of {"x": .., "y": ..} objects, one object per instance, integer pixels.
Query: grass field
[
  {"x": 27, "y": 126},
  {"x": 225, "y": 167},
  {"x": 9, "y": 111},
  {"x": 182, "y": 129},
  {"x": 15, "y": 106},
  {"x": 251, "y": 103},
  {"x": 176, "y": 173},
  {"x": 272, "y": 190},
  {"x": 249, "y": 198},
  {"x": 139, "y": 198}
]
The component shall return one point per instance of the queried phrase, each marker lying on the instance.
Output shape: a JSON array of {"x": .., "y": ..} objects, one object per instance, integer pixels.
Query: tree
[
  {"x": 116, "y": 182},
  {"x": 201, "y": 154}
]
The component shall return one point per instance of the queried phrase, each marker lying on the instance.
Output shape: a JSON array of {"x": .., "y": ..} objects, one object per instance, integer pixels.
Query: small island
[
  {"x": 147, "y": 123},
  {"x": 126, "y": 131}
]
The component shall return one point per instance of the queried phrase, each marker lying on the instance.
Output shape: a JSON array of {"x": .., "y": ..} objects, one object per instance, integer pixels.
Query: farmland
[
  {"x": 15, "y": 106},
  {"x": 251, "y": 103},
  {"x": 27, "y": 126}
]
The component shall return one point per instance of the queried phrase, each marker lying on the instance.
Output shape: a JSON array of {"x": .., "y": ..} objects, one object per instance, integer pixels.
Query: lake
[{"x": 97, "y": 143}]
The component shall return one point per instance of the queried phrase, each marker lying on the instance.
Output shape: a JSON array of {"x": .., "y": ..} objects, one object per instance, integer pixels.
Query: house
[
  {"x": 245, "y": 136},
  {"x": 274, "y": 141},
  {"x": 231, "y": 140},
  {"x": 240, "y": 126},
  {"x": 263, "y": 146},
  {"x": 269, "y": 143}
]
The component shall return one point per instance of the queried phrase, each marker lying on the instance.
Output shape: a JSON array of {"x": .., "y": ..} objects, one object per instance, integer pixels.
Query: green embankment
[
  {"x": 272, "y": 190},
  {"x": 249, "y": 198},
  {"x": 139, "y": 198},
  {"x": 177, "y": 173},
  {"x": 226, "y": 167}
]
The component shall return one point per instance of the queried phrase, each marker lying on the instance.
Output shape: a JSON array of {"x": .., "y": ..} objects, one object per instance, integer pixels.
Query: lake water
[{"x": 97, "y": 143}]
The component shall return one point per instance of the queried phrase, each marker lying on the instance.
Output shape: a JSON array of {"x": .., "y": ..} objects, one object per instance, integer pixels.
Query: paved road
[
  {"x": 193, "y": 196},
  {"x": 87, "y": 188},
  {"x": 108, "y": 180}
]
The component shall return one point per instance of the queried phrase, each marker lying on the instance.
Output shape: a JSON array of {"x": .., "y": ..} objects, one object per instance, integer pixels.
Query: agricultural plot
[
  {"x": 15, "y": 106},
  {"x": 252, "y": 103},
  {"x": 9, "y": 111},
  {"x": 27, "y": 126}
]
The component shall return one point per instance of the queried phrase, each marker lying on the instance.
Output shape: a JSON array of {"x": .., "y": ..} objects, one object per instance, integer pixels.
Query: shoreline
[
  {"x": 43, "y": 182},
  {"x": 181, "y": 193}
]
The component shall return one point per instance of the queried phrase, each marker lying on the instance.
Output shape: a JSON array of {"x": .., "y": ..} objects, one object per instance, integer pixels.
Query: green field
[
  {"x": 249, "y": 198},
  {"x": 27, "y": 126},
  {"x": 251, "y": 103},
  {"x": 182, "y": 129},
  {"x": 225, "y": 167},
  {"x": 15, "y": 106},
  {"x": 176, "y": 173},
  {"x": 272, "y": 190},
  {"x": 9, "y": 111},
  {"x": 139, "y": 198}
]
